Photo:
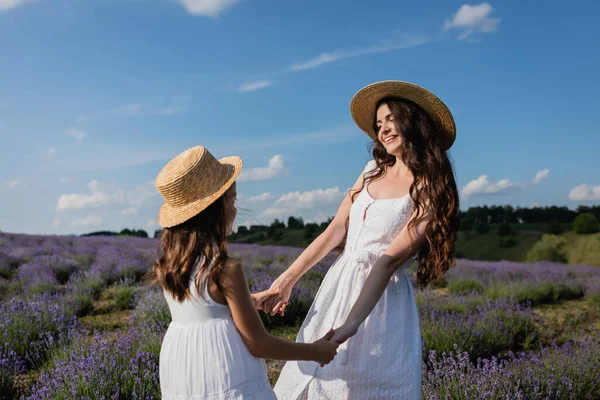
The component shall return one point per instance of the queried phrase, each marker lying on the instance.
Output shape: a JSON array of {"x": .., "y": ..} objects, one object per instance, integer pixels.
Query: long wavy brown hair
[
  {"x": 424, "y": 155},
  {"x": 203, "y": 236}
]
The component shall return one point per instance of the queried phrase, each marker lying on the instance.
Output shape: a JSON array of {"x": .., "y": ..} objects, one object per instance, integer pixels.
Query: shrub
[
  {"x": 465, "y": 286},
  {"x": 124, "y": 299},
  {"x": 482, "y": 228},
  {"x": 507, "y": 241},
  {"x": 548, "y": 248},
  {"x": 555, "y": 228},
  {"x": 585, "y": 223},
  {"x": 503, "y": 230}
]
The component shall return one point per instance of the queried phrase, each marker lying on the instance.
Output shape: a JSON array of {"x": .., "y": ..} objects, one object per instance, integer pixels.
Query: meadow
[{"x": 77, "y": 322}]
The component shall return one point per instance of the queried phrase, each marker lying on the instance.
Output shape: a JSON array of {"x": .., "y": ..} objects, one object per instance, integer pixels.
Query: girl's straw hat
[
  {"x": 362, "y": 106},
  {"x": 192, "y": 181}
]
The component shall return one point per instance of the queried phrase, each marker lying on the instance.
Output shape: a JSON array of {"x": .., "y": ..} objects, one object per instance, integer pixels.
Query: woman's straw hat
[
  {"x": 192, "y": 181},
  {"x": 362, "y": 106}
]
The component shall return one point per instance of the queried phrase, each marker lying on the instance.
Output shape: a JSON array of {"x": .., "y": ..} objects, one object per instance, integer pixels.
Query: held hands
[
  {"x": 343, "y": 333},
  {"x": 276, "y": 303},
  {"x": 325, "y": 349},
  {"x": 259, "y": 298}
]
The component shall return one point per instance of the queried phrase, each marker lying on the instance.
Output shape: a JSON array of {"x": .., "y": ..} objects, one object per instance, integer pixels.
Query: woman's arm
[
  {"x": 333, "y": 235},
  {"x": 404, "y": 245},
  {"x": 259, "y": 342}
]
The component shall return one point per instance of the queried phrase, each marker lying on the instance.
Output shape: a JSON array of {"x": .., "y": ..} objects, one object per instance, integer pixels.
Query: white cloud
[
  {"x": 313, "y": 206},
  {"x": 482, "y": 186},
  {"x": 87, "y": 222},
  {"x": 170, "y": 110},
  {"x": 253, "y": 86},
  {"x": 130, "y": 109},
  {"x": 6, "y": 5},
  {"x": 585, "y": 192},
  {"x": 253, "y": 200},
  {"x": 56, "y": 222},
  {"x": 275, "y": 166},
  {"x": 536, "y": 205},
  {"x": 129, "y": 211},
  {"x": 102, "y": 195},
  {"x": 51, "y": 150},
  {"x": 151, "y": 225},
  {"x": 473, "y": 19},
  {"x": 76, "y": 133},
  {"x": 326, "y": 58},
  {"x": 541, "y": 175},
  {"x": 208, "y": 8},
  {"x": 13, "y": 183}
]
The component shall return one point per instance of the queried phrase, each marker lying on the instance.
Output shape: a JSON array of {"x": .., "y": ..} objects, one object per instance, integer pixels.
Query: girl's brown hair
[
  {"x": 204, "y": 237},
  {"x": 424, "y": 155}
]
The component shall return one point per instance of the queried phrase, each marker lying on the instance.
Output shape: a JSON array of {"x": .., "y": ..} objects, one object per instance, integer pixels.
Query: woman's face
[
  {"x": 230, "y": 198},
  {"x": 387, "y": 133}
]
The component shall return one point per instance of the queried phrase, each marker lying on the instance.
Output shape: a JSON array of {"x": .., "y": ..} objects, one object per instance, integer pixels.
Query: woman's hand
[
  {"x": 259, "y": 298},
  {"x": 343, "y": 333},
  {"x": 276, "y": 303}
]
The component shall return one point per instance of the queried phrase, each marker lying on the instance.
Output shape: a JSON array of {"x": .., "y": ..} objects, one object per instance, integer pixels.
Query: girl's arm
[
  {"x": 259, "y": 342},
  {"x": 404, "y": 245},
  {"x": 333, "y": 235}
]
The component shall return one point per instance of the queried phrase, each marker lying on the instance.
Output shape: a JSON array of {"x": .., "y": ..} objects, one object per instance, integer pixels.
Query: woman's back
[{"x": 202, "y": 354}]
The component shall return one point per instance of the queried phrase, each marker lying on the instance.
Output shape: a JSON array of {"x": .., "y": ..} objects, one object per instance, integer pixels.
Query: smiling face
[{"x": 387, "y": 131}]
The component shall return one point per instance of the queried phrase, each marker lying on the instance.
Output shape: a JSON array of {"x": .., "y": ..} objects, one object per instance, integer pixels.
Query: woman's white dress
[
  {"x": 203, "y": 356},
  {"x": 383, "y": 359}
]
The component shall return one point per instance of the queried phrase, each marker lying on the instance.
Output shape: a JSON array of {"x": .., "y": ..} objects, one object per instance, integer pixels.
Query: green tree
[{"x": 585, "y": 223}]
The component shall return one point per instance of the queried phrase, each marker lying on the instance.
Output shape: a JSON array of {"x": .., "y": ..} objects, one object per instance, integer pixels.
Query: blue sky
[{"x": 96, "y": 96}]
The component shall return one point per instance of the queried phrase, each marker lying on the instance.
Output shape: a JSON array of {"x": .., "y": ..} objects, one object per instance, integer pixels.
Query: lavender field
[{"x": 77, "y": 322}]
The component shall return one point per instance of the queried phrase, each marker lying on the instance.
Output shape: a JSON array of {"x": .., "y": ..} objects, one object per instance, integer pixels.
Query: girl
[
  {"x": 215, "y": 345},
  {"x": 403, "y": 207}
]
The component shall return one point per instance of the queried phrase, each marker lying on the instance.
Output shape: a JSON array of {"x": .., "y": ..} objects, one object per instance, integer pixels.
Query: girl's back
[{"x": 203, "y": 355}]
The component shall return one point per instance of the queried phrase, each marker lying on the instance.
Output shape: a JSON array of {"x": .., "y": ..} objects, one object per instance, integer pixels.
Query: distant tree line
[{"x": 125, "y": 232}]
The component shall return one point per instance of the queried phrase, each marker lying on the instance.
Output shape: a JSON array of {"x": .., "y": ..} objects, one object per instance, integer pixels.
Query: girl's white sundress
[
  {"x": 203, "y": 356},
  {"x": 383, "y": 359}
]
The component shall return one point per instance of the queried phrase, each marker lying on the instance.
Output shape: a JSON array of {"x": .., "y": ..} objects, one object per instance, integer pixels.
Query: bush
[
  {"x": 123, "y": 297},
  {"x": 80, "y": 302},
  {"x": 545, "y": 292},
  {"x": 507, "y": 241},
  {"x": 482, "y": 228},
  {"x": 504, "y": 230},
  {"x": 465, "y": 286},
  {"x": 548, "y": 248},
  {"x": 585, "y": 223},
  {"x": 555, "y": 228}
]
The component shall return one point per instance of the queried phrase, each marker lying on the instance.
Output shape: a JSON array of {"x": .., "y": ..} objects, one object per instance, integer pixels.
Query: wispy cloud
[
  {"x": 144, "y": 110},
  {"x": 276, "y": 165},
  {"x": 472, "y": 20},
  {"x": 253, "y": 86},
  {"x": 207, "y": 8},
  {"x": 6, "y": 5},
  {"x": 129, "y": 211},
  {"x": 56, "y": 222},
  {"x": 330, "y": 57},
  {"x": 87, "y": 222},
  {"x": 13, "y": 183},
  {"x": 51, "y": 150},
  {"x": 483, "y": 186},
  {"x": 585, "y": 192},
  {"x": 102, "y": 195},
  {"x": 541, "y": 175},
  {"x": 76, "y": 133},
  {"x": 170, "y": 110},
  {"x": 130, "y": 109}
]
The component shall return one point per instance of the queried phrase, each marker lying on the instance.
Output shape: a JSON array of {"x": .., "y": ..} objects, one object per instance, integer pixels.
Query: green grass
[{"x": 487, "y": 247}]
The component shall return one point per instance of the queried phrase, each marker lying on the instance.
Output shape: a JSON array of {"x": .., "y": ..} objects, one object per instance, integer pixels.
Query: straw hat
[
  {"x": 362, "y": 106},
  {"x": 192, "y": 181}
]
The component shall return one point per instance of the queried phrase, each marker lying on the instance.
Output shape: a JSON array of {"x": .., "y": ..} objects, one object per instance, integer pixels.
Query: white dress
[
  {"x": 383, "y": 359},
  {"x": 203, "y": 356}
]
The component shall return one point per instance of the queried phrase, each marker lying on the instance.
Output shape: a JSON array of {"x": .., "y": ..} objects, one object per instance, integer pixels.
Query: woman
[
  {"x": 214, "y": 346},
  {"x": 403, "y": 207}
]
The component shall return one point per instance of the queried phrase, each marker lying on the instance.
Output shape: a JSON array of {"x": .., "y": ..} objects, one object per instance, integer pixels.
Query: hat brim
[
  {"x": 362, "y": 106},
  {"x": 170, "y": 216}
]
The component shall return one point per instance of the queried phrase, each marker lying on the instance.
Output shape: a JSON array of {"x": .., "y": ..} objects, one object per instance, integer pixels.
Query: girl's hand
[
  {"x": 343, "y": 333},
  {"x": 259, "y": 298},
  {"x": 277, "y": 302}
]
